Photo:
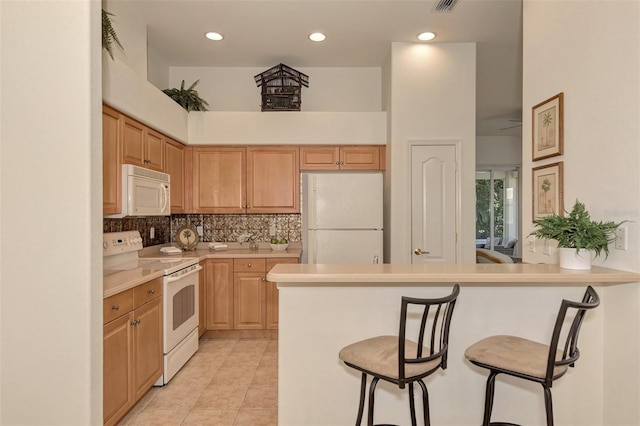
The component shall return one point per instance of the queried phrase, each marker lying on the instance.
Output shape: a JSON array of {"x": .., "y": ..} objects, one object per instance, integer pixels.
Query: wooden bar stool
[
  {"x": 402, "y": 361},
  {"x": 534, "y": 361}
]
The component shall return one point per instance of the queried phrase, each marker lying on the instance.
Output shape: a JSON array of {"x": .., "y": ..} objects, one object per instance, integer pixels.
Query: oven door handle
[{"x": 171, "y": 279}]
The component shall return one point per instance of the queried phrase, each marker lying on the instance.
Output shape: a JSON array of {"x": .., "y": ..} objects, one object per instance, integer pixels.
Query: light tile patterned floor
[{"x": 227, "y": 382}]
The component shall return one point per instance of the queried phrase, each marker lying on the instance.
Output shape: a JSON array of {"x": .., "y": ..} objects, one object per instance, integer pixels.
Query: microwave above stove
[{"x": 144, "y": 192}]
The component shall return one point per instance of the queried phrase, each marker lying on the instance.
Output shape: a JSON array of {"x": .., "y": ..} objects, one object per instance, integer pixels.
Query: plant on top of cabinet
[
  {"x": 109, "y": 34},
  {"x": 187, "y": 98}
]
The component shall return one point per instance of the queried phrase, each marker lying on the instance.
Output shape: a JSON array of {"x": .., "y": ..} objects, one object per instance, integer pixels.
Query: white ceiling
[{"x": 359, "y": 34}]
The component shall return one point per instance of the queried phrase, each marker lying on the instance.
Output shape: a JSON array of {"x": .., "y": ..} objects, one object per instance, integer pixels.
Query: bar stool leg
[
  {"x": 372, "y": 389},
  {"x": 425, "y": 403},
  {"x": 363, "y": 388},
  {"x": 548, "y": 405},
  {"x": 412, "y": 405},
  {"x": 488, "y": 398}
]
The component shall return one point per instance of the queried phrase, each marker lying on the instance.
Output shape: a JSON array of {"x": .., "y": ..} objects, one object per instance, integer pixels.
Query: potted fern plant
[
  {"x": 188, "y": 99},
  {"x": 579, "y": 237}
]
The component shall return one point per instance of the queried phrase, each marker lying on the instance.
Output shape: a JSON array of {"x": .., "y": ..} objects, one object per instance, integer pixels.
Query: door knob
[{"x": 419, "y": 252}]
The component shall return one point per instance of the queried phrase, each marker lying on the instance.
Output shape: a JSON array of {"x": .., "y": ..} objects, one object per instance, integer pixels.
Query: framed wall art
[
  {"x": 547, "y": 124},
  {"x": 547, "y": 190}
]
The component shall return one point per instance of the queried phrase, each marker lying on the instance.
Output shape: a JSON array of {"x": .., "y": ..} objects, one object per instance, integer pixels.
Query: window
[{"x": 496, "y": 207}]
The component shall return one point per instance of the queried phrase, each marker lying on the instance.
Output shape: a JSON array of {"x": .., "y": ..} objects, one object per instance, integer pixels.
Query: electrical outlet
[
  {"x": 200, "y": 230},
  {"x": 152, "y": 232},
  {"x": 272, "y": 231},
  {"x": 621, "y": 238},
  {"x": 546, "y": 249},
  {"x": 532, "y": 244}
]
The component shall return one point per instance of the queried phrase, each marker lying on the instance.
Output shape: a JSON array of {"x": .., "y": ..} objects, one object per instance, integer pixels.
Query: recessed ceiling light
[
  {"x": 317, "y": 37},
  {"x": 214, "y": 36},
  {"x": 426, "y": 36}
]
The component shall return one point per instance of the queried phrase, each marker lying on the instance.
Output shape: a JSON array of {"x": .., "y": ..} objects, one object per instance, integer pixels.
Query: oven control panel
[{"x": 120, "y": 242}]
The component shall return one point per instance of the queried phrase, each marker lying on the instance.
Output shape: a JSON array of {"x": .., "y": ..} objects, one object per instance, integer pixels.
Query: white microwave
[{"x": 144, "y": 192}]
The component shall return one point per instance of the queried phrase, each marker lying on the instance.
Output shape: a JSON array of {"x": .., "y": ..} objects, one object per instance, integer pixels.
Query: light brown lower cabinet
[
  {"x": 218, "y": 283},
  {"x": 132, "y": 347},
  {"x": 238, "y": 295}
]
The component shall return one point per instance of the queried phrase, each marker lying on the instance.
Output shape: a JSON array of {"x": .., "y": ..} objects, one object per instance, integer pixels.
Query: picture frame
[
  {"x": 548, "y": 190},
  {"x": 548, "y": 128}
]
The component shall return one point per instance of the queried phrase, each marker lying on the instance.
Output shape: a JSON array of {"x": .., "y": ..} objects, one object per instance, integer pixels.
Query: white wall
[
  {"x": 498, "y": 150},
  {"x": 157, "y": 70},
  {"x": 591, "y": 52},
  {"x": 432, "y": 98},
  {"x": 50, "y": 213},
  {"x": 330, "y": 89},
  {"x": 132, "y": 33}
]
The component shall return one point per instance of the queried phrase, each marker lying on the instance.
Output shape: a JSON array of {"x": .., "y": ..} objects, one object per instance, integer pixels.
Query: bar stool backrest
[
  {"x": 570, "y": 332},
  {"x": 434, "y": 331}
]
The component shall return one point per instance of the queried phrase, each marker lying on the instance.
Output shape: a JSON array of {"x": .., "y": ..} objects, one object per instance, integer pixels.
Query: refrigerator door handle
[{"x": 312, "y": 202}]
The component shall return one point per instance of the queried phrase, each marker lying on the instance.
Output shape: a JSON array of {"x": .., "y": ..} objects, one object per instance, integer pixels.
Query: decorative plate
[{"x": 187, "y": 237}]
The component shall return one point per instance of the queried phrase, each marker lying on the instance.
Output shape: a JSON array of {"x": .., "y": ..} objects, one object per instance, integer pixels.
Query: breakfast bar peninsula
[{"x": 326, "y": 307}]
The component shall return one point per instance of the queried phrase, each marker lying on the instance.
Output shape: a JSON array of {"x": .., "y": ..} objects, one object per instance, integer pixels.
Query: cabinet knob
[
  {"x": 115, "y": 307},
  {"x": 151, "y": 291},
  {"x": 264, "y": 280},
  {"x": 248, "y": 265}
]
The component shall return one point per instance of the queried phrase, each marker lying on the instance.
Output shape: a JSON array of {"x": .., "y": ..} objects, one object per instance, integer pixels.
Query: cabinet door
[
  {"x": 360, "y": 158},
  {"x": 271, "y": 295},
  {"x": 154, "y": 150},
  {"x": 249, "y": 300},
  {"x": 174, "y": 166},
  {"x": 133, "y": 142},
  {"x": 219, "y": 294},
  {"x": 202, "y": 303},
  {"x": 147, "y": 353},
  {"x": 117, "y": 367},
  {"x": 111, "y": 169},
  {"x": 273, "y": 181},
  {"x": 219, "y": 180},
  {"x": 319, "y": 157}
]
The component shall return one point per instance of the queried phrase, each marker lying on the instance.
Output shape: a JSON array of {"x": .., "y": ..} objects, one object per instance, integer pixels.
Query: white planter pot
[{"x": 570, "y": 258}]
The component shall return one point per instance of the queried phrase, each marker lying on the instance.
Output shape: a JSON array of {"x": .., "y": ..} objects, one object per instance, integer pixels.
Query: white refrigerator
[{"x": 342, "y": 217}]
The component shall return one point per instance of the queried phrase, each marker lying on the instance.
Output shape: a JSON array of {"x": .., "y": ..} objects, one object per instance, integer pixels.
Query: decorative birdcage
[{"x": 281, "y": 88}]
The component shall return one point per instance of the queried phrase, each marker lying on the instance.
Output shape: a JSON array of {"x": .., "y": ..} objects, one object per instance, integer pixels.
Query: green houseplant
[
  {"x": 187, "y": 98},
  {"x": 109, "y": 35},
  {"x": 577, "y": 235}
]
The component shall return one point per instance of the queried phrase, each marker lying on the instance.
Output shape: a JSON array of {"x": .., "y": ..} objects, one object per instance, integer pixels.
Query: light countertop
[
  {"x": 152, "y": 263},
  {"x": 318, "y": 275}
]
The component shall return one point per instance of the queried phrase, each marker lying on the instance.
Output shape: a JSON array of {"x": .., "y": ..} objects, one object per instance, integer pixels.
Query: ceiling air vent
[{"x": 445, "y": 6}]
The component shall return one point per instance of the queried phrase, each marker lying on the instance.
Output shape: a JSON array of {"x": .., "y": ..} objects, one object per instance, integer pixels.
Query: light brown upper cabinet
[
  {"x": 111, "y": 145},
  {"x": 246, "y": 180},
  {"x": 142, "y": 146},
  {"x": 333, "y": 157},
  {"x": 174, "y": 165},
  {"x": 219, "y": 180},
  {"x": 273, "y": 179}
]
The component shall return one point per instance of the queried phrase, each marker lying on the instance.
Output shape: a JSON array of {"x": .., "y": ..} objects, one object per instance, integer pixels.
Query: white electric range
[{"x": 123, "y": 269}]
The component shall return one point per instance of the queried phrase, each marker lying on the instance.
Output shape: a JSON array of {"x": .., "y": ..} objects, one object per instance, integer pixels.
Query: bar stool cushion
[
  {"x": 515, "y": 354},
  {"x": 379, "y": 355}
]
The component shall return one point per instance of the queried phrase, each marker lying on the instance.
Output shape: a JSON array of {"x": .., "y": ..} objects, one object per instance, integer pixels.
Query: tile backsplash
[{"x": 216, "y": 227}]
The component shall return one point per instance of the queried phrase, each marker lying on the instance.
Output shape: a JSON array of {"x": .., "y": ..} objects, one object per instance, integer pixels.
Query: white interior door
[{"x": 433, "y": 204}]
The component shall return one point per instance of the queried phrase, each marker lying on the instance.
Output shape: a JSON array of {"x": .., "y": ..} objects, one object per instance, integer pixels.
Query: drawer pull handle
[
  {"x": 151, "y": 291},
  {"x": 115, "y": 307},
  {"x": 135, "y": 322}
]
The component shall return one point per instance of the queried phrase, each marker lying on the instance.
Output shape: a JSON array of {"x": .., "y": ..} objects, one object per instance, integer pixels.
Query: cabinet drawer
[
  {"x": 146, "y": 292},
  {"x": 249, "y": 264},
  {"x": 117, "y": 305},
  {"x": 273, "y": 261}
]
